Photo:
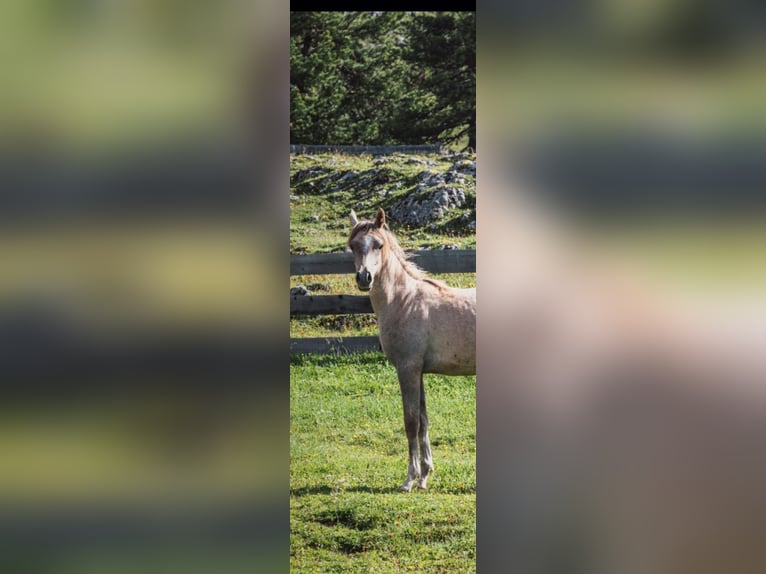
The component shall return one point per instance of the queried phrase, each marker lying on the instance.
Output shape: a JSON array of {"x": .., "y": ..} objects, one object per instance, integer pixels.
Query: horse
[{"x": 425, "y": 326}]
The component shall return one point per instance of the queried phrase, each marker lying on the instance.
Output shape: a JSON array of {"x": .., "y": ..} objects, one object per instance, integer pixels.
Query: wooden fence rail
[
  {"x": 329, "y": 304},
  {"x": 433, "y": 261},
  {"x": 436, "y": 261}
]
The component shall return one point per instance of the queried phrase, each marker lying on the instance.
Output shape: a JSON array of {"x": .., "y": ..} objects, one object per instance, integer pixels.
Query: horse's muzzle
[{"x": 363, "y": 280}]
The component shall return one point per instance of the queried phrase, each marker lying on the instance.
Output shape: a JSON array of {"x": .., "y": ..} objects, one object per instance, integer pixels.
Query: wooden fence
[{"x": 437, "y": 261}]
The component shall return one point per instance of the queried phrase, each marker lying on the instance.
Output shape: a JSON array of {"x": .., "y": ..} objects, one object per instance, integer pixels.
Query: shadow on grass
[
  {"x": 338, "y": 359},
  {"x": 308, "y": 490}
]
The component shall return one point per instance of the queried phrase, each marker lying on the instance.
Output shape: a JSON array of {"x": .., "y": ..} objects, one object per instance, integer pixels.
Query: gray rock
[
  {"x": 418, "y": 210},
  {"x": 465, "y": 166},
  {"x": 350, "y": 174}
]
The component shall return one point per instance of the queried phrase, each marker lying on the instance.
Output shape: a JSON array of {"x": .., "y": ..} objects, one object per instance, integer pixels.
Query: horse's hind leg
[
  {"x": 426, "y": 462},
  {"x": 409, "y": 383}
]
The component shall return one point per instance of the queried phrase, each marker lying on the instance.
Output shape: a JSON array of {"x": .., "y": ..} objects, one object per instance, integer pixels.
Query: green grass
[{"x": 349, "y": 457}]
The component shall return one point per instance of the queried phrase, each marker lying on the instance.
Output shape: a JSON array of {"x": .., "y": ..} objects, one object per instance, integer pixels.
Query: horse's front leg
[
  {"x": 409, "y": 383},
  {"x": 426, "y": 462}
]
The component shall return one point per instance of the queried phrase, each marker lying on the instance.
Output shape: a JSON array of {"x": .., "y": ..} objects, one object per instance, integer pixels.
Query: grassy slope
[
  {"x": 323, "y": 199},
  {"x": 348, "y": 452}
]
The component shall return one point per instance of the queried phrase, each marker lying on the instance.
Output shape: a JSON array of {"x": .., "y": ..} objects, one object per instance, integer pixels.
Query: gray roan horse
[{"x": 425, "y": 327}]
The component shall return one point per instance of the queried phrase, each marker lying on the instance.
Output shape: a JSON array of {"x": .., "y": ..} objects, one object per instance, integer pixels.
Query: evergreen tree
[
  {"x": 441, "y": 101},
  {"x": 382, "y": 77},
  {"x": 315, "y": 92}
]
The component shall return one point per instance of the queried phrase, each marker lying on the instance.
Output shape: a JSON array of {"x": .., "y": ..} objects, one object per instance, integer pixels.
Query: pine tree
[
  {"x": 442, "y": 96},
  {"x": 382, "y": 77}
]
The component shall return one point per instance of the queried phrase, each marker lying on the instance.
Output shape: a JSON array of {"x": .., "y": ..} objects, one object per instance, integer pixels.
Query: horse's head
[{"x": 367, "y": 243}]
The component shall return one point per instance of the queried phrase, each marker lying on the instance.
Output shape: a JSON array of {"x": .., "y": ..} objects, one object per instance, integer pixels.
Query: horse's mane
[{"x": 405, "y": 259}]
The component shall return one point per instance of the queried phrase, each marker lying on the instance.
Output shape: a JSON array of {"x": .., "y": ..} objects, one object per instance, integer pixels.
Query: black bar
[{"x": 386, "y": 6}]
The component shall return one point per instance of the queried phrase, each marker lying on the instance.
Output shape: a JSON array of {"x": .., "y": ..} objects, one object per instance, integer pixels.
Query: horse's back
[{"x": 451, "y": 346}]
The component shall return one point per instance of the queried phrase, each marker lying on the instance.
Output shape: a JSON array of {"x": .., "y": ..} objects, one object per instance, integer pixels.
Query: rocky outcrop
[{"x": 416, "y": 191}]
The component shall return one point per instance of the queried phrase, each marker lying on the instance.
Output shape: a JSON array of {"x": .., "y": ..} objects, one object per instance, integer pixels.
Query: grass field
[{"x": 349, "y": 457}]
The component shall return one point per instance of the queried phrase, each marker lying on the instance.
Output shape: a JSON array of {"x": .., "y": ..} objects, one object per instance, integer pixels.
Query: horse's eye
[{"x": 378, "y": 247}]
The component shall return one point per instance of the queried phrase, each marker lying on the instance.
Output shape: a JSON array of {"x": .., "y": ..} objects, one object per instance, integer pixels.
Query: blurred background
[
  {"x": 144, "y": 410},
  {"x": 636, "y": 132},
  {"x": 642, "y": 120},
  {"x": 144, "y": 242}
]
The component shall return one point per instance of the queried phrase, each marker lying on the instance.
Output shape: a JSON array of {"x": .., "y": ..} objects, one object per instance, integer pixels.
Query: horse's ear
[
  {"x": 380, "y": 218},
  {"x": 353, "y": 218}
]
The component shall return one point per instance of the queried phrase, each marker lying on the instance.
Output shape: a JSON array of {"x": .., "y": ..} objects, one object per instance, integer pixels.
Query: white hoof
[{"x": 424, "y": 476}]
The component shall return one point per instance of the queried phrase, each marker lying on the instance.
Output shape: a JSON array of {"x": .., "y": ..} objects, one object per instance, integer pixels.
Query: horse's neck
[{"x": 393, "y": 283}]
